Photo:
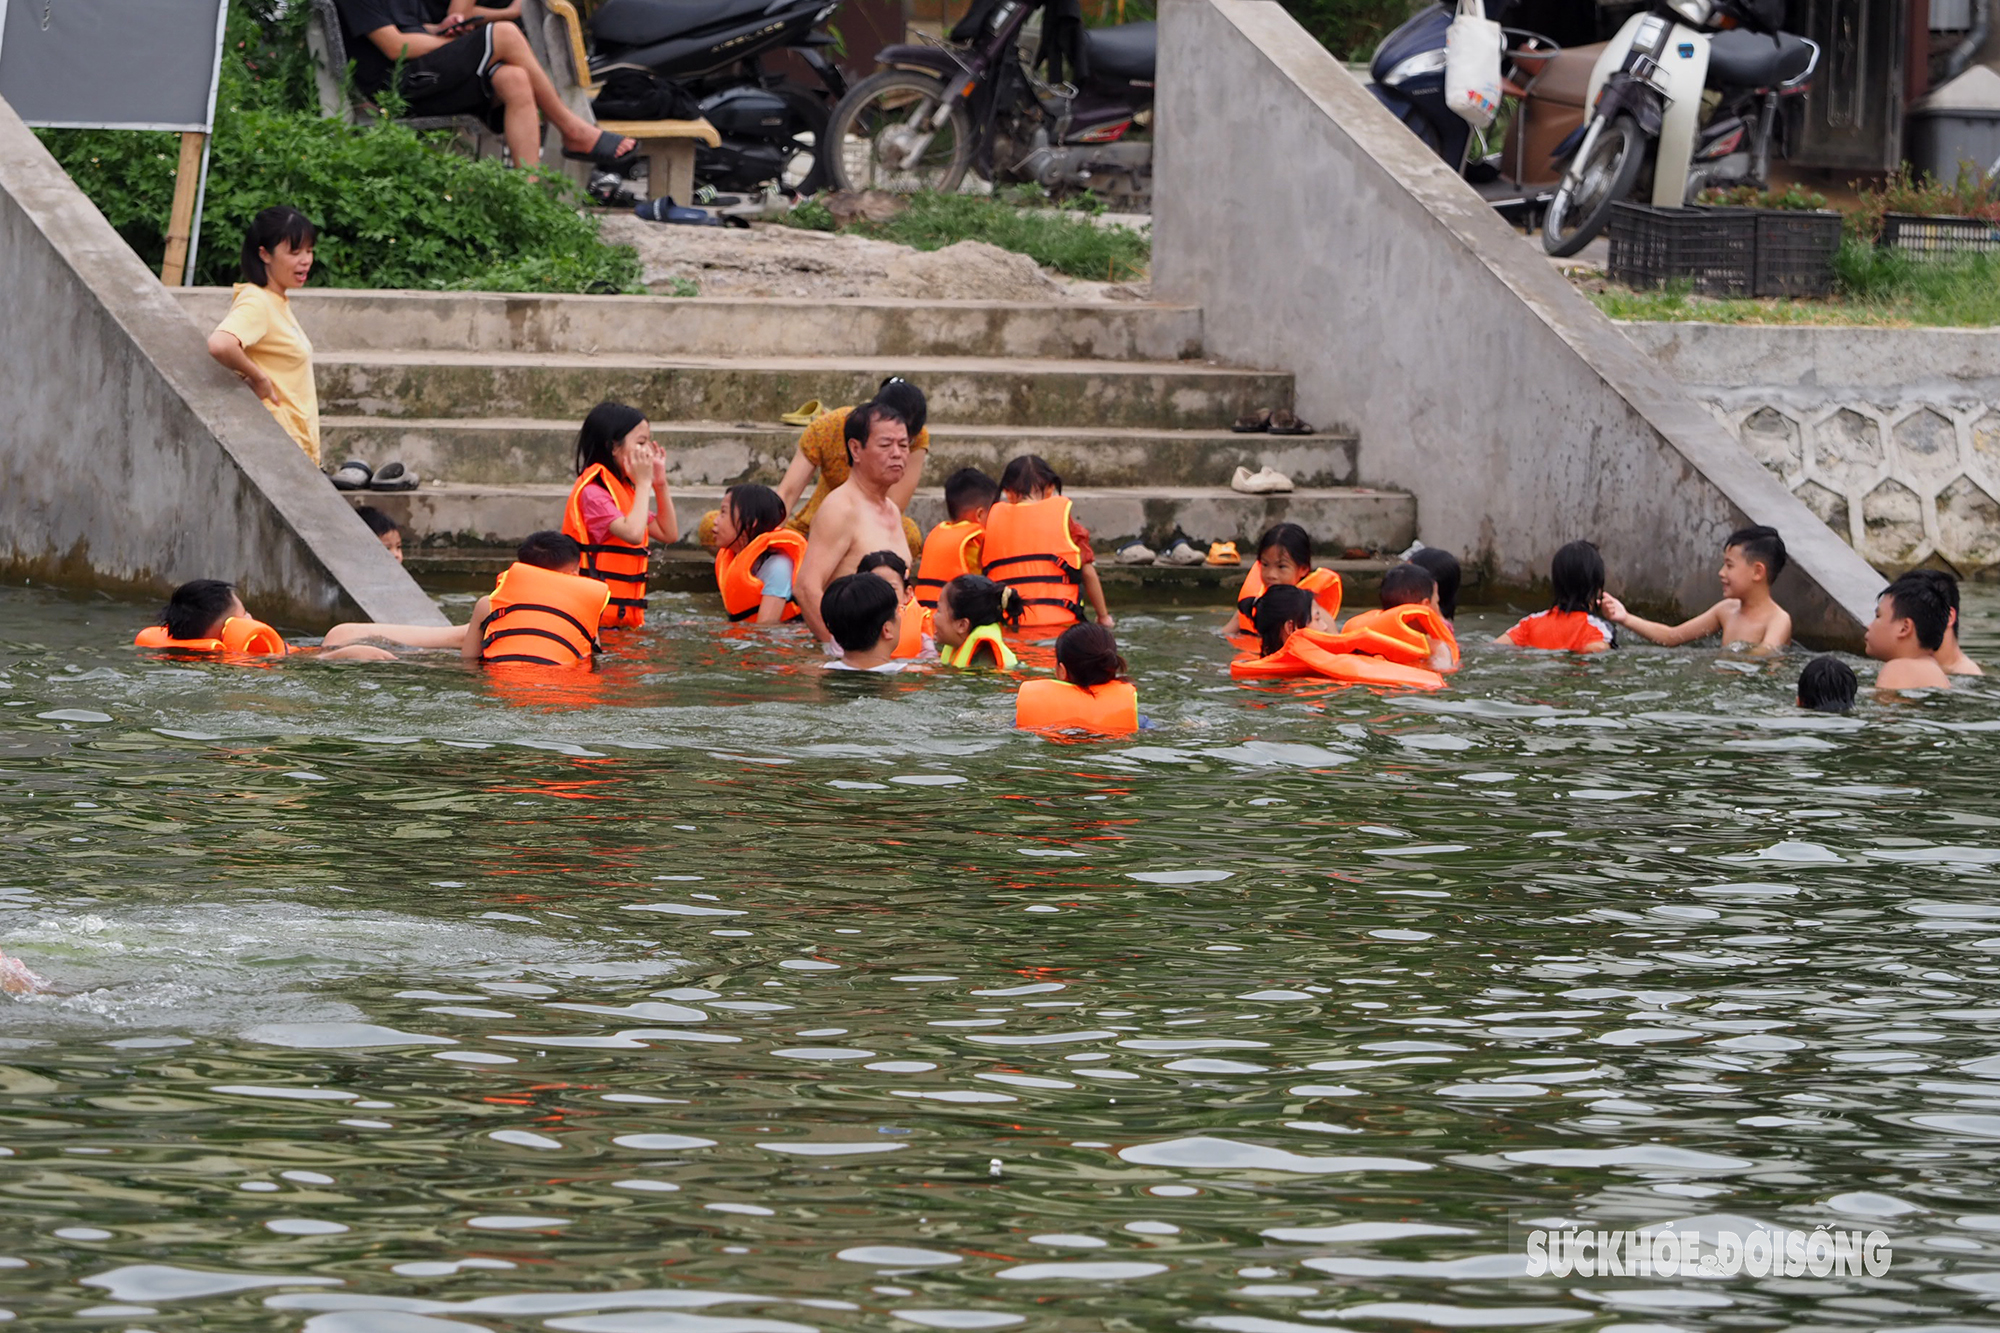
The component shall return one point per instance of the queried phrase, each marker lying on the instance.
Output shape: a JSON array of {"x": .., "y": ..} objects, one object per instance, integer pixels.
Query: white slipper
[
  {"x": 1134, "y": 553},
  {"x": 1262, "y": 482},
  {"x": 1181, "y": 551}
]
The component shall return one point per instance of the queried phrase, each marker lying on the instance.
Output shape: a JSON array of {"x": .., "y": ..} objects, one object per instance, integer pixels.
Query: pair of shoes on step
[
  {"x": 355, "y": 475},
  {"x": 1264, "y": 481},
  {"x": 1180, "y": 551},
  {"x": 1270, "y": 420}
]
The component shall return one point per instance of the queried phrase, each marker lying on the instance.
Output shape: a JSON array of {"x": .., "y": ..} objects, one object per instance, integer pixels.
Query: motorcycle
[
  {"x": 1647, "y": 97},
  {"x": 991, "y": 101},
  {"x": 772, "y": 127}
]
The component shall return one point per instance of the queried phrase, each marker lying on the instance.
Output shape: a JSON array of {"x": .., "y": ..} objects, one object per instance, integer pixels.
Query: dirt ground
[{"x": 770, "y": 260}]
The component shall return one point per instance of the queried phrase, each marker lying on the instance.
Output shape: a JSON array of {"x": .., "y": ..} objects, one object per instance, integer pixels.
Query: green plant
[
  {"x": 1749, "y": 196},
  {"x": 394, "y": 207},
  {"x": 1973, "y": 195},
  {"x": 809, "y": 215},
  {"x": 1350, "y": 28}
]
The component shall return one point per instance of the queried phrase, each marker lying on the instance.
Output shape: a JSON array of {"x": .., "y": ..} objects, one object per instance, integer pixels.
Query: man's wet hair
[
  {"x": 1946, "y": 584},
  {"x": 196, "y": 610},
  {"x": 1827, "y": 685},
  {"x": 967, "y": 491},
  {"x": 1918, "y": 600},
  {"x": 549, "y": 550},
  {"x": 1760, "y": 545},
  {"x": 855, "y": 607},
  {"x": 1407, "y": 583},
  {"x": 1288, "y": 604},
  {"x": 1444, "y": 567}
]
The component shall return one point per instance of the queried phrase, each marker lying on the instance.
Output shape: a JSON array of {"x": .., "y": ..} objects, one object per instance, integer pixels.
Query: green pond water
[{"x": 718, "y": 996}]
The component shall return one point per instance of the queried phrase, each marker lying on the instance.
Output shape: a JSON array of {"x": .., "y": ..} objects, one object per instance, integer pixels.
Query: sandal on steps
[
  {"x": 1283, "y": 422},
  {"x": 804, "y": 414},
  {"x": 1253, "y": 423},
  {"x": 393, "y": 477},
  {"x": 353, "y": 475}
]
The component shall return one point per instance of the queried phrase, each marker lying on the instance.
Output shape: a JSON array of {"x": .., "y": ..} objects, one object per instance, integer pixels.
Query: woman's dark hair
[
  {"x": 1287, "y": 604},
  {"x": 976, "y": 598},
  {"x": 1029, "y": 473},
  {"x": 1827, "y": 685},
  {"x": 196, "y": 610},
  {"x": 278, "y": 225},
  {"x": 607, "y": 424},
  {"x": 1443, "y": 566},
  {"x": 1576, "y": 577},
  {"x": 1290, "y": 538},
  {"x": 759, "y": 510},
  {"x": 906, "y": 400},
  {"x": 1089, "y": 656}
]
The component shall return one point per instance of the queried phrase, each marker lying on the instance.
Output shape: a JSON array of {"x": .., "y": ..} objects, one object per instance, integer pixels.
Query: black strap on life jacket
[{"x": 486, "y": 640}]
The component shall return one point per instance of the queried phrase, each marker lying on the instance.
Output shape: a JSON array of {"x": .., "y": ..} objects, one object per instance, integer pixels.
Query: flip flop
[
  {"x": 353, "y": 475},
  {"x": 1253, "y": 423},
  {"x": 605, "y": 151},
  {"x": 1284, "y": 423},
  {"x": 1224, "y": 553},
  {"x": 804, "y": 414},
  {"x": 393, "y": 477}
]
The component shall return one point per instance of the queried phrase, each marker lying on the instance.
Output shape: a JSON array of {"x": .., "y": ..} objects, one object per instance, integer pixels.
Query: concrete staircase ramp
[
  {"x": 1320, "y": 237},
  {"x": 130, "y": 459}
]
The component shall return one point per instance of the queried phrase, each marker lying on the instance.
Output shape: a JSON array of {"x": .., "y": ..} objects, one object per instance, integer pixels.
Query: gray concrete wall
[
  {"x": 1892, "y": 436},
  {"x": 1320, "y": 237},
  {"x": 128, "y": 458}
]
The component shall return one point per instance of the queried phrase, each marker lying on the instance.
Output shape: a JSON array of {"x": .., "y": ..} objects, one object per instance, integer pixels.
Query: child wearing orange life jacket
[
  {"x": 1035, "y": 546},
  {"x": 543, "y": 611},
  {"x": 1410, "y": 615},
  {"x": 1284, "y": 559},
  {"x": 1576, "y": 579},
  {"x": 756, "y": 555},
  {"x": 913, "y": 623},
  {"x": 970, "y": 612},
  {"x": 619, "y": 505},
  {"x": 1292, "y": 648},
  {"x": 206, "y": 616},
  {"x": 1090, "y": 691},
  {"x": 954, "y": 547}
]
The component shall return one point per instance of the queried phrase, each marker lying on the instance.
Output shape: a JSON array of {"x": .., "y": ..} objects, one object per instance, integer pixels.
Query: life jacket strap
[{"x": 531, "y": 632}]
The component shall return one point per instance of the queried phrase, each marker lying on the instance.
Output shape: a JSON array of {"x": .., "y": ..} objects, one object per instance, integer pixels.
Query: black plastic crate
[
  {"x": 1724, "y": 251},
  {"x": 1920, "y": 235}
]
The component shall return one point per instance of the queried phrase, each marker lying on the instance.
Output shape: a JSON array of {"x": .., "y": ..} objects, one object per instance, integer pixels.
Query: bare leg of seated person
[{"x": 523, "y": 90}]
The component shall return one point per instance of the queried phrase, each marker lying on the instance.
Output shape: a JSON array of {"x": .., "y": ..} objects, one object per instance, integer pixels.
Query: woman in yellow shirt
[{"x": 260, "y": 338}]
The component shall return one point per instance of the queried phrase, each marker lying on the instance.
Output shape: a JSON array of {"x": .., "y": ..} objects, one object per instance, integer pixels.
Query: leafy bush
[
  {"x": 1749, "y": 196},
  {"x": 1973, "y": 195},
  {"x": 1061, "y": 237},
  {"x": 1350, "y": 29},
  {"x": 394, "y": 207}
]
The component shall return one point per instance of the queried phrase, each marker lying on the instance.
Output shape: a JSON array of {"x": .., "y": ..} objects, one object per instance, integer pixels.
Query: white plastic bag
[{"x": 1472, "y": 65}]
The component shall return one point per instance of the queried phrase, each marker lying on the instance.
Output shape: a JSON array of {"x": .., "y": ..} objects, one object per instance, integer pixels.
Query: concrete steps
[{"x": 512, "y": 451}]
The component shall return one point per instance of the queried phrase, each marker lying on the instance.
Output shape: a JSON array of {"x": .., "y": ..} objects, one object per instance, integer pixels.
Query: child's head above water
[
  {"x": 968, "y": 494},
  {"x": 971, "y": 601},
  {"x": 748, "y": 512},
  {"x": 1911, "y": 617},
  {"x": 1030, "y": 477},
  {"x": 552, "y": 551},
  {"x": 1827, "y": 685},
  {"x": 1946, "y": 585},
  {"x": 890, "y": 568},
  {"x": 1576, "y": 577},
  {"x": 196, "y": 610},
  {"x": 1087, "y": 655},
  {"x": 858, "y": 609},
  {"x": 1281, "y": 612},
  {"x": 1746, "y": 549},
  {"x": 384, "y": 528},
  {"x": 1284, "y": 554},
  {"x": 1406, "y": 584},
  {"x": 1443, "y": 566}
]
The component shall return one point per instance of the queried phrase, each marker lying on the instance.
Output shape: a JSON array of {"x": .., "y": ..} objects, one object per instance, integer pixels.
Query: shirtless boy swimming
[
  {"x": 1910, "y": 620},
  {"x": 1751, "y": 559},
  {"x": 860, "y": 515}
]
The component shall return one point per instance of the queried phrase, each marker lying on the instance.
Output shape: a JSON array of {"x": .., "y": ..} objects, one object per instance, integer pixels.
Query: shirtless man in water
[{"x": 860, "y": 515}]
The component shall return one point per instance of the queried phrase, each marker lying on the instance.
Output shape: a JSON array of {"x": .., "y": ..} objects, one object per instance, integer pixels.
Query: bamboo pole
[{"x": 187, "y": 180}]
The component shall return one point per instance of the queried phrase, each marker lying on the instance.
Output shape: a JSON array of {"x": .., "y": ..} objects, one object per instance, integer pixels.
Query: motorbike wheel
[
  {"x": 809, "y": 121},
  {"x": 875, "y": 126},
  {"x": 1582, "y": 203}
]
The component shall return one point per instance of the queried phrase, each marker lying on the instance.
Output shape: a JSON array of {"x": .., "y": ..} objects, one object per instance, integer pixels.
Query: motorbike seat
[
  {"x": 1740, "y": 58},
  {"x": 1124, "y": 52},
  {"x": 643, "y": 22}
]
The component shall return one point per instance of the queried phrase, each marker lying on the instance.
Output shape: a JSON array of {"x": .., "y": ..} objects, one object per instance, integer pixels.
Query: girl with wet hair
[
  {"x": 613, "y": 513},
  {"x": 1089, "y": 693},
  {"x": 757, "y": 555},
  {"x": 260, "y": 338},
  {"x": 971, "y": 611}
]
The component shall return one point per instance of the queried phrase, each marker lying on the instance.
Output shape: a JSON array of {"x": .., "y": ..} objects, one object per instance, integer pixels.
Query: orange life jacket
[
  {"x": 241, "y": 636},
  {"x": 947, "y": 554},
  {"x": 1056, "y": 705},
  {"x": 916, "y": 623},
  {"x": 1323, "y": 584},
  {"x": 620, "y": 565},
  {"x": 1342, "y": 657},
  {"x": 1560, "y": 631},
  {"x": 1414, "y": 625},
  {"x": 736, "y": 575},
  {"x": 1029, "y": 549},
  {"x": 543, "y": 617}
]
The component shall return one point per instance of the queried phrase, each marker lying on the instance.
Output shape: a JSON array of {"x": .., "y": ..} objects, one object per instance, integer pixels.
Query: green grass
[
  {"x": 1062, "y": 238},
  {"x": 1871, "y": 286}
]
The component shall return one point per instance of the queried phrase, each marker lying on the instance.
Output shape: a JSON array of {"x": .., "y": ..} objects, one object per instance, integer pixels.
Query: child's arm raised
[{"x": 1672, "y": 636}]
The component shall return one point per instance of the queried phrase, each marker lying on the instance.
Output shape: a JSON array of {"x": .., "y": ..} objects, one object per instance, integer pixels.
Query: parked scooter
[
  {"x": 986, "y": 103},
  {"x": 1646, "y": 95},
  {"x": 771, "y": 126}
]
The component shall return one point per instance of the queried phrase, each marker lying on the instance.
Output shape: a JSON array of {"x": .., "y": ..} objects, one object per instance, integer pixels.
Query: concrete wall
[
  {"x": 1892, "y": 436},
  {"x": 130, "y": 459},
  {"x": 1320, "y": 237}
]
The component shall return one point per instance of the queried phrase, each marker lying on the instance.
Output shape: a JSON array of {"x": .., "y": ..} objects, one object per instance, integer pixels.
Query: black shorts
[{"x": 454, "y": 80}]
